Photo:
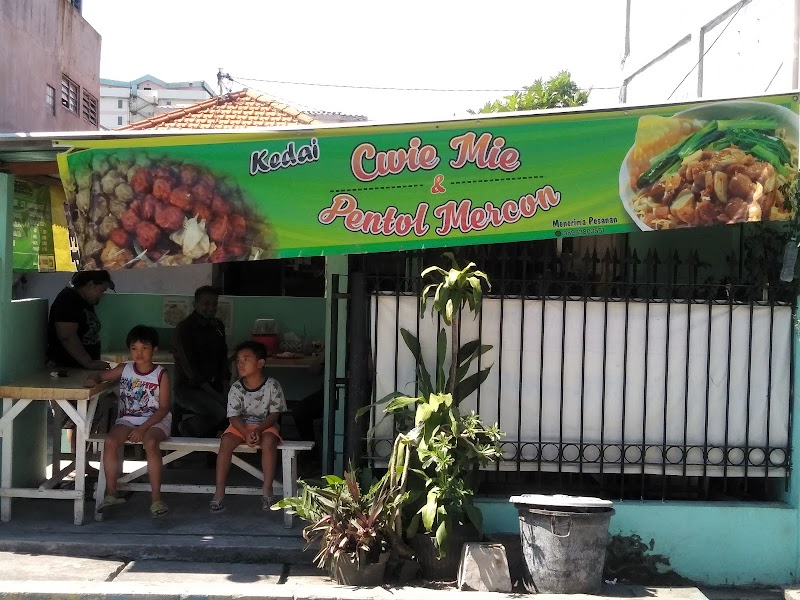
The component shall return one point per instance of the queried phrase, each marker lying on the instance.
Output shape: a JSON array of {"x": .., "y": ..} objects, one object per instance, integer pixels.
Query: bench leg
[{"x": 289, "y": 466}]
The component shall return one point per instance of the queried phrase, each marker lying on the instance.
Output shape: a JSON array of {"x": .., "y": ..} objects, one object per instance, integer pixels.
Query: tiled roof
[{"x": 235, "y": 110}]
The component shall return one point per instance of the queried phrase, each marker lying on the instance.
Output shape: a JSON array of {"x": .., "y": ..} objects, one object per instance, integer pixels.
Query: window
[
  {"x": 169, "y": 102},
  {"x": 119, "y": 120},
  {"x": 89, "y": 108},
  {"x": 69, "y": 94},
  {"x": 50, "y": 99},
  {"x": 119, "y": 103}
]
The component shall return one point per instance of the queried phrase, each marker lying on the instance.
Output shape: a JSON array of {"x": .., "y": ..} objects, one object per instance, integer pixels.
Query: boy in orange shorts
[{"x": 255, "y": 402}]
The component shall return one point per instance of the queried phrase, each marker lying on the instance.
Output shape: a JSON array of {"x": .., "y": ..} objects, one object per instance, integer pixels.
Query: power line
[
  {"x": 780, "y": 66},
  {"x": 271, "y": 95},
  {"x": 401, "y": 89},
  {"x": 741, "y": 6}
]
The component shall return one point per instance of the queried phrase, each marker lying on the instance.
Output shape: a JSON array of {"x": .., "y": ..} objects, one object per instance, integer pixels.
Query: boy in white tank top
[{"x": 144, "y": 416}]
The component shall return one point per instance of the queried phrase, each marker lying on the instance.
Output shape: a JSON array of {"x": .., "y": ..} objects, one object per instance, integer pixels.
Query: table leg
[
  {"x": 81, "y": 439},
  {"x": 58, "y": 418},
  {"x": 289, "y": 467},
  {"x": 5, "y": 468}
]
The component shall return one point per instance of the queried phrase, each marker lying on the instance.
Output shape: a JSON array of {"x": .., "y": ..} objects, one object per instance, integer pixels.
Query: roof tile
[{"x": 236, "y": 110}]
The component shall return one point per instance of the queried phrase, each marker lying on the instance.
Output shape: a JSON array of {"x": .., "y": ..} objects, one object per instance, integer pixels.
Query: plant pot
[
  {"x": 446, "y": 569},
  {"x": 347, "y": 572}
]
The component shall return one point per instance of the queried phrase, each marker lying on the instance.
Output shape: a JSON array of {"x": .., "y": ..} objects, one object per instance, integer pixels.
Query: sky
[{"x": 440, "y": 44}]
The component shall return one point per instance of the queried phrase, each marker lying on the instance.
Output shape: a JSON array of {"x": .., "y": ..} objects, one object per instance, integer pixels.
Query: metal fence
[{"x": 622, "y": 375}]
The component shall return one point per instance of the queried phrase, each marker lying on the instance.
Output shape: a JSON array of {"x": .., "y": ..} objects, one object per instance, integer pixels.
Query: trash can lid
[{"x": 561, "y": 501}]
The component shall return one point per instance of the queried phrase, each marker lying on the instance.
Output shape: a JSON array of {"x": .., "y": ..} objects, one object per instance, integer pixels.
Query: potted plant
[
  {"x": 353, "y": 527},
  {"x": 445, "y": 448}
]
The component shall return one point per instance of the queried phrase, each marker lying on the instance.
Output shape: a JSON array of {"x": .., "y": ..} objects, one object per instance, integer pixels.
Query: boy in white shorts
[{"x": 144, "y": 416}]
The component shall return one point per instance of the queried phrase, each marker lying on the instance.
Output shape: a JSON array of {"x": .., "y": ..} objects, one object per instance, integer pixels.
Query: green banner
[
  {"x": 33, "y": 228},
  {"x": 372, "y": 188}
]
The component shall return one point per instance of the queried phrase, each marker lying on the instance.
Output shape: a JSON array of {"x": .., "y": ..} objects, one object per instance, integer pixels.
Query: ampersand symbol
[{"x": 437, "y": 187}]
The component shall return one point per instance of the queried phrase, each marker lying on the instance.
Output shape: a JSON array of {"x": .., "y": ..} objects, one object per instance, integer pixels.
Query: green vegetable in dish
[{"x": 747, "y": 134}]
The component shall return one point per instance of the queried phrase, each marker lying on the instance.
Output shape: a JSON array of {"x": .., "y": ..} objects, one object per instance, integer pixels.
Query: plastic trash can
[{"x": 564, "y": 541}]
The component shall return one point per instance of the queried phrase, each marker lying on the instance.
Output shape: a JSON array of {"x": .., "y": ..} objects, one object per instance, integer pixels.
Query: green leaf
[
  {"x": 441, "y": 538},
  {"x": 423, "y": 377},
  {"x": 474, "y": 515},
  {"x": 433, "y": 269},
  {"x": 428, "y": 512},
  {"x": 470, "y": 384},
  {"x": 386, "y": 399},
  {"x": 413, "y": 526},
  {"x": 333, "y": 480},
  {"x": 400, "y": 402},
  {"x": 451, "y": 257},
  {"x": 423, "y": 413}
]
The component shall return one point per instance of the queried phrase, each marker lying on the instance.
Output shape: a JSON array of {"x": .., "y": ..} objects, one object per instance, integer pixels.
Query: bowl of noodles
[{"x": 719, "y": 163}]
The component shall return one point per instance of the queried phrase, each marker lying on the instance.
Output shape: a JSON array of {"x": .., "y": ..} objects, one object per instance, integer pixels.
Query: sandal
[
  {"x": 158, "y": 509},
  {"x": 267, "y": 502},
  {"x": 108, "y": 502},
  {"x": 216, "y": 506}
]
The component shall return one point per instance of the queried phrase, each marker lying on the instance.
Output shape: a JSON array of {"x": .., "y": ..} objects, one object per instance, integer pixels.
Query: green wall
[
  {"x": 713, "y": 543},
  {"x": 22, "y": 351},
  {"x": 119, "y": 312}
]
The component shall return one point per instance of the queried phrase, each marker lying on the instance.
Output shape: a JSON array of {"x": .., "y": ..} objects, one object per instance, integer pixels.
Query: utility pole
[{"x": 219, "y": 80}]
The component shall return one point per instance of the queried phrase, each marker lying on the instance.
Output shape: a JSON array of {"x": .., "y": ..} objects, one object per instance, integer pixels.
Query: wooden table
[
  {"x": 303, "y": 362},
  {"x": 61, "y": 390}
]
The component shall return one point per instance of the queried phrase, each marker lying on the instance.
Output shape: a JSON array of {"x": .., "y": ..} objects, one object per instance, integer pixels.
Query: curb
[
  {"x": 80, "y": 590},
  {"x": 191, "y": 548}
]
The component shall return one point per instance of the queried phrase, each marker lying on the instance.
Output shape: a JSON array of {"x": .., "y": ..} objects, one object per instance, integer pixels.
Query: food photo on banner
[{"x": 177, "y": 200}]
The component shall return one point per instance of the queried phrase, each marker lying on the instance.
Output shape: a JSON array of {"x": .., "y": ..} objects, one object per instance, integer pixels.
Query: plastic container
[
  {"x": 269, "y": 340},
  {"x": 265, "y": 326},
  {"x": 564, "y": 541}
]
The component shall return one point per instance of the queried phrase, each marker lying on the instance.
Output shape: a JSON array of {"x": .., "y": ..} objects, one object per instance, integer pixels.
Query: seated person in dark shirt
[
  {"x": 202, "y": 371},
  {"x": 73, "y": 329},
  {"x": 73, "y": 332}
]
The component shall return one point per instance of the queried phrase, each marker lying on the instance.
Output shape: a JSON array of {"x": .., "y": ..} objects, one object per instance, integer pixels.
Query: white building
[{"x": 126, "y": 102}]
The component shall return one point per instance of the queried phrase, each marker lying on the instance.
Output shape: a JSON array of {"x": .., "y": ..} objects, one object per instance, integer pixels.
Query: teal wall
[
  {"x": 119, "y": 312},
  {"x": 710, "y": 542},
  {"x": 22, "y": 338}
]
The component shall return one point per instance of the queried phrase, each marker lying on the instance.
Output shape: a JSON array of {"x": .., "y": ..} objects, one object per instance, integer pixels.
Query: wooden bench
[{"x": 178, "y": 447}]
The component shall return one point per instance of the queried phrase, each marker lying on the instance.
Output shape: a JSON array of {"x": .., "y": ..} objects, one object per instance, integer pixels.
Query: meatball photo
[{"x": 139, "y": 211}]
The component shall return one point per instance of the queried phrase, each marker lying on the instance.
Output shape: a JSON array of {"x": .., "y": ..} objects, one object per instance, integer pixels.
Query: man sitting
[{"x": 202, "y": 372}]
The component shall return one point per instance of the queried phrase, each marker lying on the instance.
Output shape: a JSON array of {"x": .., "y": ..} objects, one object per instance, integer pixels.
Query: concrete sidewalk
[
  {"x": 45, "y": 577},
  {"x": 49, "y": 577},
  {"x": 241, "y": 553}
]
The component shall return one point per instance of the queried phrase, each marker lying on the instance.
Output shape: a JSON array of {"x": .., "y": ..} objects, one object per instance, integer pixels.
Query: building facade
[
  {"x": 51, "y": 67},
  {"x": 126, "y": 102}
]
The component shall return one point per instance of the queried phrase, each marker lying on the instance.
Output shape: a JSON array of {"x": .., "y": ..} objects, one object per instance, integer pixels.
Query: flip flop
[
  {"x": 108, "y": 502},
  {"x": 158, "y": 509},
  {"x": 216, "y": 506},
  {"x": 267, "y": 502}
]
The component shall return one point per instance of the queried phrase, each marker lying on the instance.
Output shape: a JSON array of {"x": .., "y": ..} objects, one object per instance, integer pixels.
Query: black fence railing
[{"x": 621, "y": 376}]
